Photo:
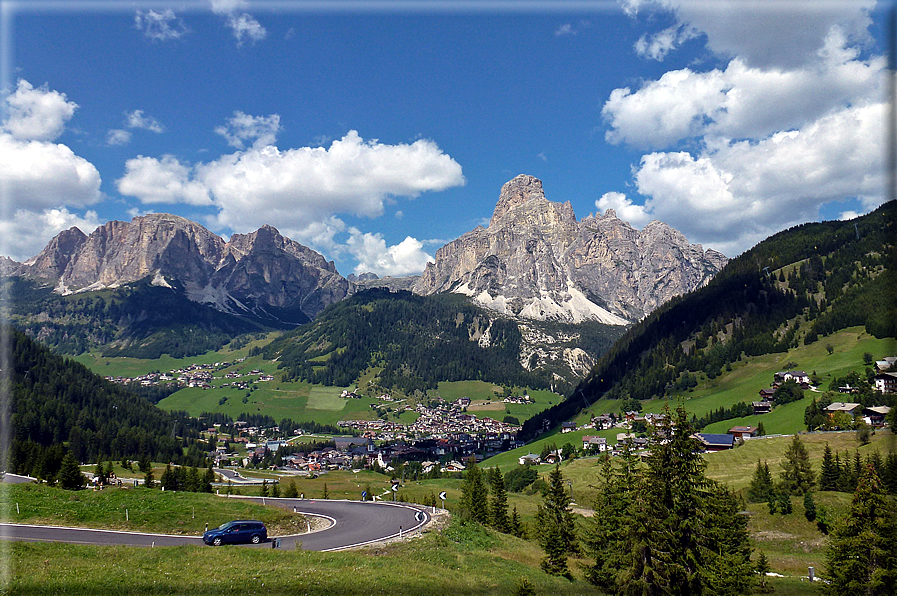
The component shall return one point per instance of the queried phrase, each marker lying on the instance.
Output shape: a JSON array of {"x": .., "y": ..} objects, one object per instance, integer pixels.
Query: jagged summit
[
  {"x": 261, "y": 273},
  {"x": 535, "y": 260}
]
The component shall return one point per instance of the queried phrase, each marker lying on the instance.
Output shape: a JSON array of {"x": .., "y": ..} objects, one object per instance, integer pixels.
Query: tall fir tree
[
  {"x": 797, "y": 477},
  {"x": 761, "y": 484},
  {"x": 828, "y": 475},
  {"x": 498, "y": 505},
  {"x": 557, "y": 530},
  {"x": 474, "y": 494},
  {"x": 70, "y": 476},
  {"x": 861, "y": 558}
]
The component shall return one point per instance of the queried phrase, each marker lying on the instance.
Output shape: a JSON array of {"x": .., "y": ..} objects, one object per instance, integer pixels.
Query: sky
[{"x": 375, "y": 132}]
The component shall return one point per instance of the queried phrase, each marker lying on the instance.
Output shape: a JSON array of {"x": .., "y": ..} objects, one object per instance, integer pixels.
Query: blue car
[{"x": 234, "y": 532}]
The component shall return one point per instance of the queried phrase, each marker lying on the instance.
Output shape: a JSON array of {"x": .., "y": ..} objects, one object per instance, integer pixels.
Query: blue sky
[{"x": 375, "y": 132}]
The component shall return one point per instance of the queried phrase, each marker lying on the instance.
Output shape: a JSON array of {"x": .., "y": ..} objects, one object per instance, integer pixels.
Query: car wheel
[
  {"x": 256, "y": 539},
  {"x": 217, "y": 541}
]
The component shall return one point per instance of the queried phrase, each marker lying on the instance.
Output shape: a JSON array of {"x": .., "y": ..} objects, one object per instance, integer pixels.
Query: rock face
[
  {"x": 261, "y": 273},
  {"x": 536, "y": 261}
]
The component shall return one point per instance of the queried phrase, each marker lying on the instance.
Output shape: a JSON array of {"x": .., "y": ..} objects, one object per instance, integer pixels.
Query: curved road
[{"x": 353, "y": 523}]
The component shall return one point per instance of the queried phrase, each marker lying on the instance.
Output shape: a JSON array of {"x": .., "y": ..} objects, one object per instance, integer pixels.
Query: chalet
[
  {"x": 885, "y": 364},
  {"x": 529, "y": 458},
  {"x": 766, "y": 394},
  {"x": 462, "y": 402},
  {"x": 886, "y": 382},
  {"x": 741, "y": 432},
  {"x": 590, "y": 443},
  {"x": 715, "y": 442},
  {"x": 603, "y": 421},
  {"x": 567, "y": 427},
  {"x": 875, "y": 416},
  {"x": 762, "y": 407},
  {"x": 798, "y": 376},
  {"x": 848, "y": 408},
  {"x": 344, "y": 443}
]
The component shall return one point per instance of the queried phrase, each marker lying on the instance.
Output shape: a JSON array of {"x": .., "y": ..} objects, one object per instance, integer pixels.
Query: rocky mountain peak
[
  {"x": 261, "y": 273},
  {"x": 516, "y": 192},
  {"x": 536, "y": 261},
  {"x": 54, "y": 258}
]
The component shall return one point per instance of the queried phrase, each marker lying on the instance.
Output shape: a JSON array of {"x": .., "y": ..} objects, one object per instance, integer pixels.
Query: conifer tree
[
  {"x": 70, "y": 476},
  {"x": 474, "y": 494},
  {"x": 828, "y": 476},
  {"x": 515, "y": 524},
  {"x": 169, "y": 479},
  {"x": 264, "y": 490},
  {"x": 809, "y": 507},
  {"x": 861, "y": 558},
  {"x": 149, "y": 479},
  {"x": 797, "y": 475},
  {"x": 762, "y": 567},
  {"x": 207, "y": 480},
  {"x": 291, "y": 492},
  {"x": 557, "y": 529},
  {"x": 275, "y": 490},
  {"x": 761, "y": 484},
  {"x": 498, "y": 501}
]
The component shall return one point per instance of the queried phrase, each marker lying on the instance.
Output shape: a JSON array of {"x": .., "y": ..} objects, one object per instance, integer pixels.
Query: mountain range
[{"x": 534, "y": 261}]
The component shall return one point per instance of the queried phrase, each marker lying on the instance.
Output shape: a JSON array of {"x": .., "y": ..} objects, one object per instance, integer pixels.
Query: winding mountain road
[{"x": 352, "y": 524}]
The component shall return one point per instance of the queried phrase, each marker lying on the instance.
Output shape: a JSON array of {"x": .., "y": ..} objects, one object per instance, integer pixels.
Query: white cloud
[
  {"x": 657, "y": 45},
  {"x": 160, "y": 25},
  {"x": 163, "y": 180},
  {"x": 848, "y": 215},
  {"x": 243, "y": 25},
  {"x": 769, "y": 34},
  {"x": 352, "y": 176},
  {"x": 296, "y": 188},
  {"x": 260, "y": 130},
  {"x": 39, "y": 175},
  {"x": 404, "y": 258},
  {"x": 137, "y": 119},
  {"x": 118, "y": 136},
  {"x": 246, "y": 27},
  {"x": 741, "y": 101},
  {"x": 625, "y": 209},
  {"x": 37, "y": 114},
  {"x": 27, "y": 232},
  {"x": 735, "y": 194}
]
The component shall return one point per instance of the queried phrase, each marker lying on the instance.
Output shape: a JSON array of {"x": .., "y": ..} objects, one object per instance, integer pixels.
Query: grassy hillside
[{"x": 795, "y": 289}]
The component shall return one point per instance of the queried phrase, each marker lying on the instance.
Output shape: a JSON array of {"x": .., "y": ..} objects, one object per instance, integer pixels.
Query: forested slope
[
  {"x": 417, "y": 341},
  {"x": 797, "y": 286},
  {"x": 138, "y": 320},
  {"x": 58, "y": 405}
]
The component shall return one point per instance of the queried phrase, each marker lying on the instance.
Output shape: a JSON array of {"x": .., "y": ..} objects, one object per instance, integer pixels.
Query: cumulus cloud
[
  {"x": 741, "y": 101},
  {"x": 565, "y": 29},
  {"x": 37, "y": 113},
  {"x": 785, "y": 127},
  {"x": 296, "y": 188},
  {"x": 161, "y": 25},
  {"x": 39, "y": 175},
  {"x": 625, "y": 209},
  {"x": 32, "y": 230},
  {"x": 260, "y": 131},
  {"x": 735, "y": 194},
  {"x": 163, "y": 180},
  {"x": 404, "y": 258}
]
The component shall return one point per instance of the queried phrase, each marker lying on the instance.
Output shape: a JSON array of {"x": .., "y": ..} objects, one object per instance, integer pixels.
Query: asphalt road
[{"x": 353, "y": 523}]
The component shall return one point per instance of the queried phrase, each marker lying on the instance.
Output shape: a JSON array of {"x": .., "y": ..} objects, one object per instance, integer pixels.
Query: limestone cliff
[{"x": 536, "y": 261}]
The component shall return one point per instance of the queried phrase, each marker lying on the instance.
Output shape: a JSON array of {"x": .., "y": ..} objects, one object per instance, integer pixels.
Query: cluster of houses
[
  {"x": 197, "y": 375},
  {"x": 765, "y": 405},
  {"x": 441, "y": 422},
  {"x": 886, "y": 378}
]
